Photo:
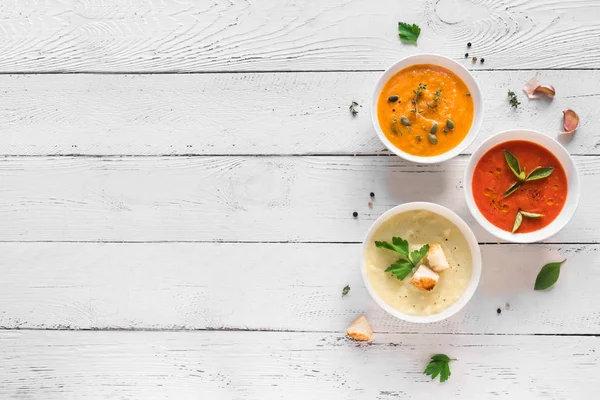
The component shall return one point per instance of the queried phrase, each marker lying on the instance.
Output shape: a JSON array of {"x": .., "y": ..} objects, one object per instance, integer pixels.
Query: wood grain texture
[
  {"x": 292, "y": 287},
  {"x": 258, "y": 365},
  {"x": 270, "y": 113},
  {"x": 184, "y": 36},
  {"x": 302, "y": 199}
]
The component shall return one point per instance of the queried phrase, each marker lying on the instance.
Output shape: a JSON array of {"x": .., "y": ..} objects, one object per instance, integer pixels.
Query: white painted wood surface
[
  {"x": 276, "y": 365},
  {"x": 137, "y": 204},
  {"x": 247, "y": 286},
  {"x": 269, "y": 113},
  {"x": 249, "y": 199},
  {"x": 234, "y": 35}
]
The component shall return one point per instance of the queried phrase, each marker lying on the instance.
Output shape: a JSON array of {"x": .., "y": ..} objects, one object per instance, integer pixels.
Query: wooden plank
[
  {"x": 293, "y": 287},
  {"x": 225, "y": 365},
  {"x": 286, "y": 113},
  {"x": 235, "y": 198},
  {"x": 175, "y": 36}
]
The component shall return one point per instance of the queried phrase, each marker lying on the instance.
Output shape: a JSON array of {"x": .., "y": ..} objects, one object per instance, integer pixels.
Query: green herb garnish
[
  {"x": 408, "y": 262},
  {"x": 353, "y": 109},
  {"x": 548, "y": 275},
  {"x": 345, "y": 290},
  {"x": 408, "y": 33},
  {"x": 418, "y": 93},
  {"x": 515, "y": 167},
  {"x": 435, "y": 99},
  {"x": 439, "y": 365},
  {"x": 514, "y": 102},
  {"x": 519, "y": 218}
]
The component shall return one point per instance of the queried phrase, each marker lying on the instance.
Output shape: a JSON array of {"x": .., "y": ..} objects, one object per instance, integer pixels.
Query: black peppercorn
[
  {"x": 372, "y": 194},
  {"x": 466, "y": 55},
  {"x": 482, "y": 60},
  {"x": 355, "y": 214},
  {"x": 498, "y": 311},
  {"x": 469, "y": 44}
]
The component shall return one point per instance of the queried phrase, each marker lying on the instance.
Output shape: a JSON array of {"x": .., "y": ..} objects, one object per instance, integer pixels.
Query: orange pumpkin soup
[
  {"x": 541, "y": 198},
  {"x": 425, "y": 110}
]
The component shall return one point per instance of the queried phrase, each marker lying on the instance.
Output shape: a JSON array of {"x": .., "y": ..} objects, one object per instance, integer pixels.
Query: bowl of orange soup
[
  {"x": 521, "y": 186},
  {"x": 427, "y": 108}
]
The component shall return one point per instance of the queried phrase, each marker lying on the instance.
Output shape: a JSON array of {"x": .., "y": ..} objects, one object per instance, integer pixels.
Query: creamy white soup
[{"x": 419, "y": 227}]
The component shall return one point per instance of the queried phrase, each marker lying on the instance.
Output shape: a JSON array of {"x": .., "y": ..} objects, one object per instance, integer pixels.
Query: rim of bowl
[
  {"x": 565, "y": 160},
  {"x": 445, "y": 62},
  {"x": 476, "y": 263}
]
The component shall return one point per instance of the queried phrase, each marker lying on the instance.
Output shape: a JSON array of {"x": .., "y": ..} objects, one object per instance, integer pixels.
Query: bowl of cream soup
[{"x": 421, "y": 262}]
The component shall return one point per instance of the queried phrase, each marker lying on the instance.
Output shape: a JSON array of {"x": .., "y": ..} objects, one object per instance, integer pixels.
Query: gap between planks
[
  {"x": 277, "y": 71},
  {"x": 211, "y": 330},
  {"x": 272, "y": 242}
]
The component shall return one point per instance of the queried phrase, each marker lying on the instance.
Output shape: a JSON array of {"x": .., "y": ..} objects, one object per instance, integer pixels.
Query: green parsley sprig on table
[
  {"x": 408, "y": 33},
  {"x": 408, "y": 262},
  {"x": 439, "y": 365}
]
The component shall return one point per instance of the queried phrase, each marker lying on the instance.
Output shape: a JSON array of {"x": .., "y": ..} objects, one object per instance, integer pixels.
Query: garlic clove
[
  {"x": 547, "y": 90},
  {"x": 533, "y": 90},
  {"x": 530, "y": 87},
  {"x": 570, "y": 122}
]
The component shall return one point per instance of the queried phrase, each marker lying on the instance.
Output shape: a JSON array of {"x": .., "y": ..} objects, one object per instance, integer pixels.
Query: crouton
[
  {"x": 360, "y": 329},
  {"x": 436, "y": 258},
  {"x": 424, "y": 278}
]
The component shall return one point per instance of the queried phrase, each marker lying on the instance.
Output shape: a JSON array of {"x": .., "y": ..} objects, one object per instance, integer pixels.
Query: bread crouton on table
[{"x": 360, "y": 329}]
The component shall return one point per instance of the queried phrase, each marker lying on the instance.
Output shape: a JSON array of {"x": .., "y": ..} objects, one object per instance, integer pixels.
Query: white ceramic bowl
[
  {"x": 572, "y": 180},
  {"x": 475, "y": 261},
  {"x": 462, "y": 73}
]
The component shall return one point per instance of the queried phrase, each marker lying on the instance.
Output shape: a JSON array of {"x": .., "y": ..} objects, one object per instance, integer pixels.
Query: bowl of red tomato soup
[{"x": 521, "y": 186}]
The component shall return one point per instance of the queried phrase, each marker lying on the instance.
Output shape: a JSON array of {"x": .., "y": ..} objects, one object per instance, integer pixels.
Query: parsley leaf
[
  {"x": 408, "y": 262},
  {"x": 398, "y": 245},
  {"x": 439, "y": 365},
  {"x": 400, "y": 268},
  {"x": 408, "y": 33},
  {"x": 418, "y": 255}
]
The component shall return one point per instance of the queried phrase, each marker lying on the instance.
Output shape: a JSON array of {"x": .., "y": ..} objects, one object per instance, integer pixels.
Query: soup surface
[
  {"x": 419, "y": 227},
  {"x": 492, "y": 177},
  {"x": 445, "y": 97}
]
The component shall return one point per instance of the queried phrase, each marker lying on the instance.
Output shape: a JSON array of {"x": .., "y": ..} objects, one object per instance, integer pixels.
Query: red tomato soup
[{"x": 492, "y": 177}]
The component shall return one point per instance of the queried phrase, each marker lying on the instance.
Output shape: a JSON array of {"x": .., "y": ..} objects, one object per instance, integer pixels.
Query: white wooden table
[{"x": 177, "y": 183}]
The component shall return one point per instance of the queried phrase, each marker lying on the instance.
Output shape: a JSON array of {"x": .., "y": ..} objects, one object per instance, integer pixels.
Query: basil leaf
[
  {"x": 548, "y": 275},
  {"x": 400, "y": 268},
  {"x": 513, "y": 163},
  {"x": 531, "y": 215},
  {"x": 418, "y": 255},
  {"x": 540, "y": 173},
  {"x": 408, "y": 33},
  {"x": 518, "y": 221},
  {"x": 512, "y": 189}
]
